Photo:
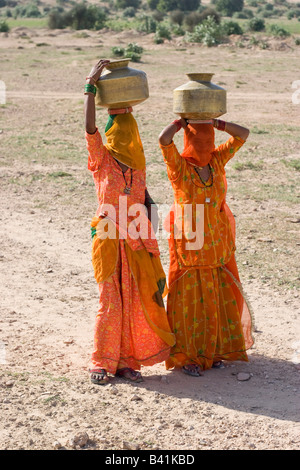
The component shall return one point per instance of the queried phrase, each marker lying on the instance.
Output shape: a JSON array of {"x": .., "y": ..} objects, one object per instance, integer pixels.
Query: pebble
[
  {"x": 9, "y": 384},
  {"x": 57, "y": 445},
  {"x": 130, "y": 446},
  {"x": 80, "y": 440},
  {"x": 136, "y": 397},
  {"x": 243, "y": 376}
]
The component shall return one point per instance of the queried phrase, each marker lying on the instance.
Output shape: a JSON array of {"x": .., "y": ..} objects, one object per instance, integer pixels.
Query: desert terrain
[{"x": 49, "y": 297}]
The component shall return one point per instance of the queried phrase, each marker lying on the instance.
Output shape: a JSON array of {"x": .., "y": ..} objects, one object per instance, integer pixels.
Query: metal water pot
[
  {"x": 199, "y": 98},
  {"x": 121, "y": 86}
]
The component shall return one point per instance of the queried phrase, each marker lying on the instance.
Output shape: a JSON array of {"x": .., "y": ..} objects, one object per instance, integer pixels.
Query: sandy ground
[{"x": 49, "y": 297}]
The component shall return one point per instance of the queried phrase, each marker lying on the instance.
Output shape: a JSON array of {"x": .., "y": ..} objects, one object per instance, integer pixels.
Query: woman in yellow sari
[
  {"x": 131, "y": 326},
  {"x": 206, "y": 307}
]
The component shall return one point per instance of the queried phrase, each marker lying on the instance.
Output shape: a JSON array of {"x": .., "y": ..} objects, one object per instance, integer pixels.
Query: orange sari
[
  {"x": 131, "y": 327},
  {"x": 206, "y": 307}
]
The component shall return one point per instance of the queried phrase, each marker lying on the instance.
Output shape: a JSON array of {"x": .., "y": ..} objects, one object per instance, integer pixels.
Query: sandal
[
  {"x": 99, "y": 376},
  {"x": 192, "y": 369},
  {"x": 218, "y": 365},
  {"x": 129, "y": 374}
]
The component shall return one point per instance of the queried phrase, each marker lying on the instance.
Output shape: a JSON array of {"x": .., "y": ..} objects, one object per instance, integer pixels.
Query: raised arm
[
  {"x": 166, "y": 136},
  {"x": 89, "y": 101},
  {"x": 231, "y": 128}
]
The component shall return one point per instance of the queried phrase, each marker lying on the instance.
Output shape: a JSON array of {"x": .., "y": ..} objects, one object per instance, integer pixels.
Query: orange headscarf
[
  {"x": 124, "y": 142},
  {"x": 199, "y": 143}
]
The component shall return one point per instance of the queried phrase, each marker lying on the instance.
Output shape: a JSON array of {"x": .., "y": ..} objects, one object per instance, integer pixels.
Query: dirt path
[{"x": 49, "y": 300}]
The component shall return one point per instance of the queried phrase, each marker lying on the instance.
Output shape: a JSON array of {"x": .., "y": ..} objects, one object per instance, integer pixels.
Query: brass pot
[
  {"x": 199, "y": 98},
  {"x": 121, "y": 86}
]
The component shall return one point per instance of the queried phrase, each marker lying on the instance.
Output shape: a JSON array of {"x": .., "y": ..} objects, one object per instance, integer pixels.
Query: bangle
[
  {"x": 220, "y": 125},
  {"x": 178, "y": 124},
  {"x": 88, "y": 88},
  {"x": 91, "y": 78}
]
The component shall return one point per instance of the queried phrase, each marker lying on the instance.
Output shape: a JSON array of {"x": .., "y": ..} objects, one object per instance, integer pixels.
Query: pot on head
[
  {"x": 121, "y": 86},
  {"x": 199, "y": 98}
]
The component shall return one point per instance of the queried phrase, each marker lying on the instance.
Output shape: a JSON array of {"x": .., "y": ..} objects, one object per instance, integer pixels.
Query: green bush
[
  {"x": 129, "y": 12},
  {"x": 128, "y": 3},
  {"x": 293, "y": 13},
  {"x": 147, "y": 24},
  {"x": 209, "y": 33},
  {"x": 4, "y": 28},
  {"x": 194, "y": 18},
  {"x": 232, "y": 27},
  {"x": 79, "y": 17},
  {"x": 228, "y": 7},
  {"x": 118, "y": 51},
  {"x": 277, "y": 30},
  {"x": 177, "y": 17},
  {"x": 171, "y": 5},
  {"x": 132, "y": 51},
  {"x": 153, "y": 4},
  {"x": 256, "y": 24},
  {"x": 27, "y": 11},
  {"x": 162, "y": 32},
  {"x": 188, "y": 5}
]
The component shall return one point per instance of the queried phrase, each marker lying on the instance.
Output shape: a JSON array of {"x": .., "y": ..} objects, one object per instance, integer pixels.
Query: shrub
[
  {"x": 128, "y": 3},
  {"x": 192, "y": 19},
  {"x": 171, "y": 5},
  {"x": 256, "y": 24},
  {"x": 153, "y": 4},
  {"x": 118, "y": 51},
  {"x": 4, "y": 28},
  {"x": 147, "y": 25},
  {"x": 231, "y": 27},
  {"x": 294, "y": 13},
  {"x": 129, "y": 12},
  {"x": 209, "y": 33},
  {"x": 177, "y": 17},
  {"x": 188, "y": 5},
  {"x": 158, "y": 15},
  {"x": 228, "y": 7},
  {"x": 79, "y": 17},
  {"x": 278, "y": 31},
  {"x": 132, "y": 51},
  {"x": 163, "y": 32}
]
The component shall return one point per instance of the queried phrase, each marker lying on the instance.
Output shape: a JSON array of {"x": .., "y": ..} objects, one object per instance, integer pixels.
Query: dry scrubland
[{"x": 48, "y": 295}]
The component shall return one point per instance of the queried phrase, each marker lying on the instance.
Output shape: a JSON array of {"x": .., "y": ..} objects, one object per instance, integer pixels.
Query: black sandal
[
  {"x": 129, "y": 374},
  {"x": 218, "y": 365},
  {"x": 99, "y": 376},
  {"x": 192, "y": 369}
]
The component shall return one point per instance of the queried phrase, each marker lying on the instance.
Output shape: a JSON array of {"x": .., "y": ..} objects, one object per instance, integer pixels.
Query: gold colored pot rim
[
  {"x": 201, "y": 77},
  {"x": 118, "y": 63}
]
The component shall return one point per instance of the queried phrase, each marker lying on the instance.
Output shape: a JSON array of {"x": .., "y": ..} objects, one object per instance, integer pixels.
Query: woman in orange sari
[
  {"x": 206, "y": 307},
  {"x": 131, "y": 326}
]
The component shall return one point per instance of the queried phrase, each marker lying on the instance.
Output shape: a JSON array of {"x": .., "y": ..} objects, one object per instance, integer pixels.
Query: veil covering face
[
  {"x": 199, "y": 143},
  {"x": 124, "y": 142}
]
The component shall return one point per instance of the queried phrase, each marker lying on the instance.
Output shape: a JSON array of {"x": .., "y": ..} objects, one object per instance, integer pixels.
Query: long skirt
[
  {"x": 205, "y": 312},
  {"x": 123, "y": 337}
]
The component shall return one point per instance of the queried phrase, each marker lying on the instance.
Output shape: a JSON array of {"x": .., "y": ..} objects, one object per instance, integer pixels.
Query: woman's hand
[
  {"x": 89, "y": 101},
  {"x": 231, "y": 128},
  {"x": 166, "y": 136},
  {"x": 97, "y": 70}
]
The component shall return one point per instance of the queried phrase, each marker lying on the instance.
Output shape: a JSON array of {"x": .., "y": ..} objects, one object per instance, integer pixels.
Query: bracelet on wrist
[
  {"x": 91, "y": 78},
  {"x": 219, "y": 124},
  {"x": 178, "y": 124},
  {"x": 88, "y": 88}
]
